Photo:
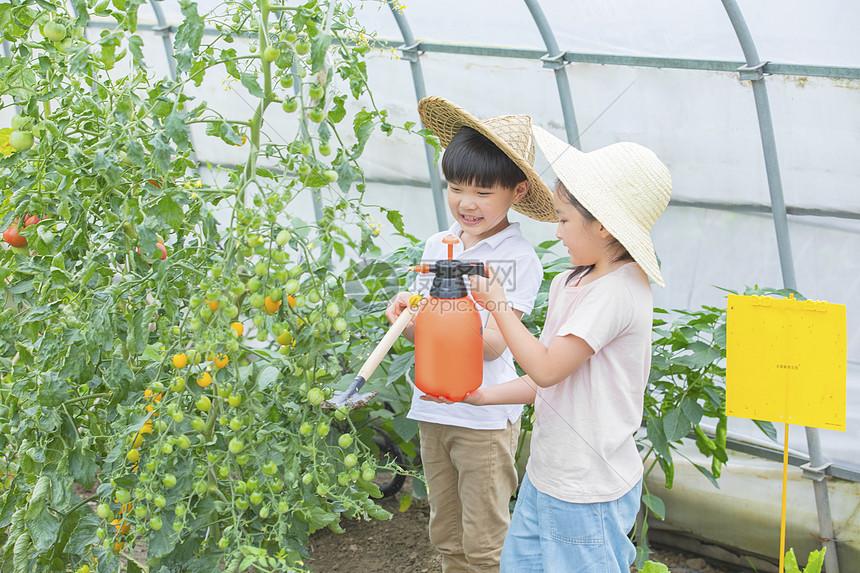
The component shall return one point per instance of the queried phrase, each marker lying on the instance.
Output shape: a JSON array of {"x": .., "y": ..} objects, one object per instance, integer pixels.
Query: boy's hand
[
  {"x": 397, "y": 305},
  {"x": 474, "y": 398},
  {"x": 488, "y": 291}
]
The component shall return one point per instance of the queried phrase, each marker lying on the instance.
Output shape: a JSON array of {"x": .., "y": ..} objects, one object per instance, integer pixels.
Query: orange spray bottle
[{"x": 449, "y": 342}]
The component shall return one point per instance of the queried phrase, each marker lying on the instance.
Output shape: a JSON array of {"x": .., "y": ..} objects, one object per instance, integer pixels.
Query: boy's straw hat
[
  {"x": 623, "y": 185},
  {"x": 510, "y": 133}
]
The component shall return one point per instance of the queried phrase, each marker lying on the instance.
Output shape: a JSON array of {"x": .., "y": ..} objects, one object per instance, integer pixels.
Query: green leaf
[
  {"x": 250, "y": 82},
  {"x": 657, "y": 438},
  {"x": 692, "y": 410},
  {"x": 171, "y": 212},
  {"x": 338, "y": 112},
  {"x": 267, "y": 377},
  {"x": 82, "y": 467},
  {"x": 190, "y": 32},
  {"x": 177, "y": 129},
  {"x": 84, "y": 534},
  {"x": 316, "y": 517},
  {"x": 362, "y": 124},
  {"x": 655, "y": 504},
  {"x": 675, "y": 425},
  {"x": 135, "y": 46},
  {"x": 815, "y": 561},
  {"x": 791, "y": 565},
  {"x": 654, "y": 567},
  {"x": 43, "y": 529},
  {"x": 319, "y": 47},
  {"x": 766, "y": 427},
  {"x": 400, "y": 366},
  {"x": 405, "y": 428}
]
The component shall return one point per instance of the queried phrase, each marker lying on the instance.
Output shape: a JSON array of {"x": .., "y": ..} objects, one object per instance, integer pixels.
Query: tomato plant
[{"x": 115, "y": 377}]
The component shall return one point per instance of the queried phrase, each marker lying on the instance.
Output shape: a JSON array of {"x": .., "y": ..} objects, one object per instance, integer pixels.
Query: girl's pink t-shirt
[{"x": 582, "y": 446}]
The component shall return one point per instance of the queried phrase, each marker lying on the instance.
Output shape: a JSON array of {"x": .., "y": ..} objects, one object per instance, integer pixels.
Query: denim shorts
[{"x": 549, "y": 535}]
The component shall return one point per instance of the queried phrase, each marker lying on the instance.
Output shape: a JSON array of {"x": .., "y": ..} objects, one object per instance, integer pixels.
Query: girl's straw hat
[
  {"x": 623, "y": 185},
  {"x": 510, "y": 133}
]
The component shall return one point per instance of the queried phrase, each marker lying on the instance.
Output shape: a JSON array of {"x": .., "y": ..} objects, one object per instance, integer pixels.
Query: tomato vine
[{"x": 171, "y": 332}]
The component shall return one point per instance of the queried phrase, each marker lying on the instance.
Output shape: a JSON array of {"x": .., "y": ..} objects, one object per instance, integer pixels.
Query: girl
[{"x": 587, "y": 373}]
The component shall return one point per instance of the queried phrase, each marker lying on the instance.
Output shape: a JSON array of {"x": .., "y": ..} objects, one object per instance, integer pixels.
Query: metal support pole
[
  {"x": 410, "y": 52},
  {"x": 554, "y": 60},
  {"x": 753, "y": 71},
  {"x": 166, "y": 30}
]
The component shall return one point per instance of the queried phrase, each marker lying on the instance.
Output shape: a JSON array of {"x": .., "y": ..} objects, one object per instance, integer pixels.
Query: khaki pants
[{"x": 470, "y": 479}]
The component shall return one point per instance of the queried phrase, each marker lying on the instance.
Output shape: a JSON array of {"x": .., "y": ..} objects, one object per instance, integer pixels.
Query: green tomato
[
  {"x": 198, "y": 424},
  {"x": 270, "y": 468},
  {"x": 271, "y": 53},
  {"x": 314, "y": 297},
  {"x": 123, "y": 496},
  {"x": 235, "y": 446},
  {"x": 242, "y": 503},
  {"x": 183, "y": 441},
  {"x": 306, "y": 428},
  {"x": 169, "y": 480},
  {"x": 256, "y": 498},
  {"x": 21, "y": 140},
  {"x": 315, "y": 397},
  {"x": 264, "y": 512},
  {"x": 316, "y": 115},
  {"x": 203, "y": 404},
  {"x": 332, "y": 309},
  {"x": 350, "y": 460},
  {"x": 287, "y": 81},
  {"x": 19, "y": 122},
  {"x": 290, "y": 105},
  {"x": 330, "y": 175},
  {"x": 242, "y": 459},
  {"x": 54, "y": 31},
  {"x": 159, "y": 501},
  {"x": 177, "y": 384},
  {"x": 323, "y": 429},
  {"x": 316, "y": 91},
  {"x": 340, "y": 324},
  {"x": 180, "y": 510},
  {"x": 103, "y": 511},
  {"x": 302, "y": 47},
  {"x": 155, "y": 523},
  {"x": 292, "y": 287},
  {"x": 345, "y": 440},
  {"x": 236, "y": 424},
  {"x": 368, "y": 474}
]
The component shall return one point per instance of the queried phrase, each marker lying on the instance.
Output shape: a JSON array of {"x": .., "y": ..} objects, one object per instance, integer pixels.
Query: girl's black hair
[
  {"x": 472, "y": 159},
  {"x": 580, "y": 271}
]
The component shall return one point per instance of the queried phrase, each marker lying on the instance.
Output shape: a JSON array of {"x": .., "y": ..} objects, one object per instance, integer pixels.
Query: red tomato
[
  {"x": 13, "y": 237},
  {"x": 31, "y": 220}
]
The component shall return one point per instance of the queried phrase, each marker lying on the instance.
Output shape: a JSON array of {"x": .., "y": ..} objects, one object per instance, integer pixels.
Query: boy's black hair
[
  {"x": 472, "y": 159},
  {"x": 621, "y": 253}
]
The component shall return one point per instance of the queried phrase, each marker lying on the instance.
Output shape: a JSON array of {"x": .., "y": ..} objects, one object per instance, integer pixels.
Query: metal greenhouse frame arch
[{"x": 752, "y": 70}]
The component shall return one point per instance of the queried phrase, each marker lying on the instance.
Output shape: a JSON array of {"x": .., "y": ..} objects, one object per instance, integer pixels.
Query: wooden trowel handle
[{"x": 386, "y": 343}]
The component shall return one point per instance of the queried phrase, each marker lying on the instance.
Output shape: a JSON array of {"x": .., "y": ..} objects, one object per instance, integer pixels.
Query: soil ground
[{"x": 401, "y": 545}]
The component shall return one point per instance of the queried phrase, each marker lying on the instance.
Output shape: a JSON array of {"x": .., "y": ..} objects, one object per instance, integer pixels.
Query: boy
[{"x": 468, "y": 452}]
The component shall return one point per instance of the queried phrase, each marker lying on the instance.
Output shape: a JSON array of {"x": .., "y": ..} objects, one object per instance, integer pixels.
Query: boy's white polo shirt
[{"x": 517, "y": 264}]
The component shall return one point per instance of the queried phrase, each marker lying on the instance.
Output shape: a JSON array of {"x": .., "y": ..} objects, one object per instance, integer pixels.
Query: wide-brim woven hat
[
  {"x": 624, "y": 185},
  {"x": 510, "y": 133}
]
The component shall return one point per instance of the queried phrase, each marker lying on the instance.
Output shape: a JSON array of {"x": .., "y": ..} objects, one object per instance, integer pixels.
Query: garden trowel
[{"x": 351, "y": 396}]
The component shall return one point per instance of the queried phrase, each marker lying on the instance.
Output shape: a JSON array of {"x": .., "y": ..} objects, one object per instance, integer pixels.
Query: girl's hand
[
  {"x": 488, "y": 291},
  {"x": 474, "y": 398}
]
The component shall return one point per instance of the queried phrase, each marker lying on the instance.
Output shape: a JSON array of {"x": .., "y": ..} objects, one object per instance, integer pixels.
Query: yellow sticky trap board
[{"x": 786, "y": 361}]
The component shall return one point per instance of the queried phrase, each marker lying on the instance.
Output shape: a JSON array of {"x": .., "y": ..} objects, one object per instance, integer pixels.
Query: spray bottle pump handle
[{"x": 450, "y": 240}]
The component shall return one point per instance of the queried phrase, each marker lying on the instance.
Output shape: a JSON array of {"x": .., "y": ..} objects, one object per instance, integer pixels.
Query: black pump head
[{"x": 448, "y": 282}]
